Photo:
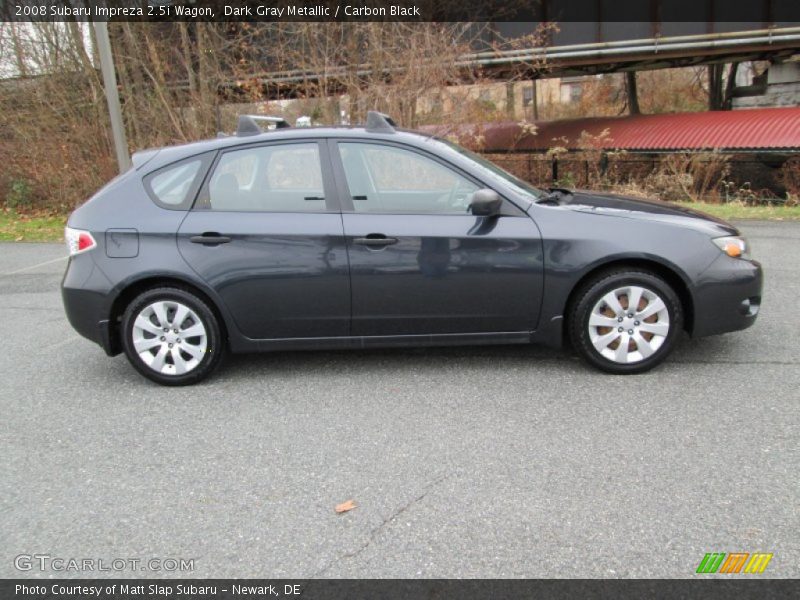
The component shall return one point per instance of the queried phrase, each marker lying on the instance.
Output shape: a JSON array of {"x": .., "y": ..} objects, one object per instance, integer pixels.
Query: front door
[
  {"x": 266, "y": 234},
  {"x": 419, "y": 262}
]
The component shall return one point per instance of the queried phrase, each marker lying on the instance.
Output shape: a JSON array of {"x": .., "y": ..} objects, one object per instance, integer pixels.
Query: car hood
[{"x": 627, "y": 206}]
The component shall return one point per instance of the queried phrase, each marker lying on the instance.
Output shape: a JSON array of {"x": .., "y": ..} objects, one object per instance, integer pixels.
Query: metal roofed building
[
  {"x": 757, "y": 147},
  {"x": 755, "y": 130}
]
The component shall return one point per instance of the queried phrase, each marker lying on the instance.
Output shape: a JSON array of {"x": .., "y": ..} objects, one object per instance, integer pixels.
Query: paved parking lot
[{"x": 477, "y": 462}]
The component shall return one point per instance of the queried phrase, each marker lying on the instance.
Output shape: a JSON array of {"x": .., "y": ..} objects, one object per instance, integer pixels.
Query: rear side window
[
  {"x": 275, "y": 178},
  {"x": 175, "y": 186}
]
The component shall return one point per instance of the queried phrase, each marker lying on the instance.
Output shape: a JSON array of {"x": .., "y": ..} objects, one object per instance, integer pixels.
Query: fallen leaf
[{"x": 345, "y": 506}]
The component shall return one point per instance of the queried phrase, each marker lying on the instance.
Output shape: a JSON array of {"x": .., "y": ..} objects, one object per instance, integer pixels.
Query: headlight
[{"x": 733, "y": 246}]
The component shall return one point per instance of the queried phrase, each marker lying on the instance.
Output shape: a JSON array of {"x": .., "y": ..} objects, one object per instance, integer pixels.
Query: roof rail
[
  {"x": 248, "y": 124},
  {"x": 379, "y": 123}
]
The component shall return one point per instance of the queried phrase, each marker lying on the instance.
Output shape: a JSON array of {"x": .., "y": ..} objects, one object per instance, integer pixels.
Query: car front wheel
[
  {"x": 625, "y": 321},
  {"x": 171, "y": 336}
]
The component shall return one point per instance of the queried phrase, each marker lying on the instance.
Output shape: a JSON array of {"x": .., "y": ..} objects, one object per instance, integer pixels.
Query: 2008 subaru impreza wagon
[{"x": 320, "y": 238}]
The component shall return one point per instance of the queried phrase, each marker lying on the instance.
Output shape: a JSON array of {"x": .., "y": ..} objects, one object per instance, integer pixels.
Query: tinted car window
[
  {"x": 170, "y": 187},
  {"x": 280, "y": 178},
  {"x": 388, "y": 179}
]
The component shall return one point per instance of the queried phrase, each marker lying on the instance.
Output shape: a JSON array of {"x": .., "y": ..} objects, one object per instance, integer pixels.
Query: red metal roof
[{"x": 752, "y": 129}]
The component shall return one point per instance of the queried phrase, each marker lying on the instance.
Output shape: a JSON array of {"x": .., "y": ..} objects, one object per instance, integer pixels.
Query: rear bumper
[
  {"x": 84, "y": 309},
  {"x": 727, "y": 296},
  {"x": 83, "y": 292}
]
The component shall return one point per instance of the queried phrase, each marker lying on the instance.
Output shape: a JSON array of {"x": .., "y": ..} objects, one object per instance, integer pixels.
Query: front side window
[
  {"x": 493, "y": 172},
  {"x": 388, "y": 179},
  {"x": 279, "y": 178}
]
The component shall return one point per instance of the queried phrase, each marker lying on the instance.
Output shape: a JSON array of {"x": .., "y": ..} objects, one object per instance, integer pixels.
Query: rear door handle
[
  {"x": 210, "y": 238},
  {"x": 375, "y": 240}
]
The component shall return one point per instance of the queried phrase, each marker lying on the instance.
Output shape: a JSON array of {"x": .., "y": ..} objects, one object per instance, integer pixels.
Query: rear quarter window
[{"x": 175, "y": 186}]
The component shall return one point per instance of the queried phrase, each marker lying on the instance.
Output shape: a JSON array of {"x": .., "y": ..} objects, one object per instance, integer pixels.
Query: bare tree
[{"x": 174, "y": 78}]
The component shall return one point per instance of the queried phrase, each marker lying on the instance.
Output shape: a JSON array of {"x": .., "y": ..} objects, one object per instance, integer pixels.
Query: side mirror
[{"x": 486, "y": 203}]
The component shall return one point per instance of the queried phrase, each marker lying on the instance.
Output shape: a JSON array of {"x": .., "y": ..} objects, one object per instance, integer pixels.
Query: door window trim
[
  {"x": 203, "y": 200},
  {"x": 347, "y": 206}
]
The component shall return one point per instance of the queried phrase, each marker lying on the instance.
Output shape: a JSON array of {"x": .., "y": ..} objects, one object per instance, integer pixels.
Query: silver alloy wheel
[
  {"x": 628, "y": 324},
  {"x": 169, "y": 337}
]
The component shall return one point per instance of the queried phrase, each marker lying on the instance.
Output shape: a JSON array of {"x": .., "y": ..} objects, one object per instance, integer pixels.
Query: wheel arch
[
  {"x": 668, "y": 273},
  {"x": 132, "y": 288}
]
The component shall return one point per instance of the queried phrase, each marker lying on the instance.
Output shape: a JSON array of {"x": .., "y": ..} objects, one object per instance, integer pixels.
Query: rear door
[
  {"x": 420, "y": 263},
  {"x": 266, "y": 233}
]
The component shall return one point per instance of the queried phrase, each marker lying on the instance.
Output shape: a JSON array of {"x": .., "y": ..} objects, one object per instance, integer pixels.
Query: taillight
[{"x": 78, "y": 240}]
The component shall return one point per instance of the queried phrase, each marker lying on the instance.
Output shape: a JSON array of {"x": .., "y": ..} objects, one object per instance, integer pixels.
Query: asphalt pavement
[{"x": 467, "y": 462}]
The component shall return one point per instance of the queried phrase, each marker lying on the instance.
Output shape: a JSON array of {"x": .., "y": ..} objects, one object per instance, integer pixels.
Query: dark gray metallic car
[{"x": 321, "y": 238}]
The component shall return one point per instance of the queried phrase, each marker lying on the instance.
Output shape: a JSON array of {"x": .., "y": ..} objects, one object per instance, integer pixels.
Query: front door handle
[
  {"x": 375, "y": 240},
  {"x": 210, "y": 238}
]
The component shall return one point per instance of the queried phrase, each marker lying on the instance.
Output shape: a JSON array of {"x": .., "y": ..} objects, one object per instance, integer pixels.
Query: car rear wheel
[
  {"x": 171, "y": 336},
  {"x": 625, "y": 321}
]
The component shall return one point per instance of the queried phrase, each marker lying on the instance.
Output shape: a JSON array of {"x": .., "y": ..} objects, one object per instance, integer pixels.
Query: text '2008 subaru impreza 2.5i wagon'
[{"x": 322, "y": 238}]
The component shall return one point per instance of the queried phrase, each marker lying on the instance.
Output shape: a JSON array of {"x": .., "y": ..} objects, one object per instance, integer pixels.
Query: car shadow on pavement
[
  {"x": 721, "y": 349},
  {"x": 316, "y": 361},
  {"x": 446, "y": 360}
]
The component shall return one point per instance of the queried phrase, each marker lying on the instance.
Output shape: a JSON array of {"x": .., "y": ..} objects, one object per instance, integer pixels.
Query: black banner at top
[{"x": 755, "y": 13}]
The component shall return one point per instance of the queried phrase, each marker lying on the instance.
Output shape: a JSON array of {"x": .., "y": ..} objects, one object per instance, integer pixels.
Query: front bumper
[{"x": 727, "y": 296}]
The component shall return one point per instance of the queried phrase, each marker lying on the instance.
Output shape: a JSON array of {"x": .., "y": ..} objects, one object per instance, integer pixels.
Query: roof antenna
[{"x": 379, "y": 123}]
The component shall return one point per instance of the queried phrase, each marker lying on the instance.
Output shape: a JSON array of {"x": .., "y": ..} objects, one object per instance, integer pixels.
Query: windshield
[{"x": 492, "y": 171}]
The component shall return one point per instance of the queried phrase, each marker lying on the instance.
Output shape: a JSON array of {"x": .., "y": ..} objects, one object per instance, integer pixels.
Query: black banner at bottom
[{"x": 390, "y": 589}]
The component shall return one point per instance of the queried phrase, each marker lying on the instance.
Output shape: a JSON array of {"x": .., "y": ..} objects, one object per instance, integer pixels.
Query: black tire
[
  {"x": 213, "y": 348},
  {"x": 593, "y": 292}
]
